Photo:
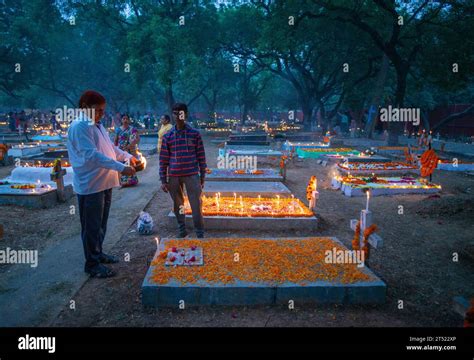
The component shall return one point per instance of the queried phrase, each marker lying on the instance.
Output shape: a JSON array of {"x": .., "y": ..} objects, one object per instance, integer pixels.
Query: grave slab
[
  {"x": 381, "y": 189},
  {"x": 449, "y": 166},
  {"x": 246, "y": 188},
  {"x": 230, "y": 175},
  {"x": 39, "y": 200},
  {"x": 253, "y": 223},
  {"x": 293, "y": 146},
  {"x": 373, "y": 158},
  {"x": 20, "y": 151},
  {"x": 246, "y": 151},
  {"x": 251, "y": 283}
]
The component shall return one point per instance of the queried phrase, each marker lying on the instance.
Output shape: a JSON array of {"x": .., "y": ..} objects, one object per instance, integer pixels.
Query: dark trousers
[
  {"x": 94, "y": 213},
  {"x": 193, "y": 191}
]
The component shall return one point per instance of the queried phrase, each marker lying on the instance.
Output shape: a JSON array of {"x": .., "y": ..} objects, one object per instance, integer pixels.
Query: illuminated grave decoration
[
  {"x": 359, "y": 157},
  {"x": 49, "y": 135},
  {"x": 268, "y": 271},
  {"x": 362, "y": 157},
  {"x": 293, "y": 146},
  {"x": 317, "y": 153},
  {"x": 24, "y": 150},
  {"x": 216, "y": 174},
  {"x": 33, "y": 195},
  {"x": 395, "y": 149},
  {"x": 356, "y": 185},
  {"x": 20, "y": 188},
  {"x": 455, "y": 165},
  {"x": 364, "y": 232},
  {"x": 39, "y": 171},
  {"x": 251, "y": 207},
  {"x": 377, "y": 168},
  {"x": 240, "y": 212}
]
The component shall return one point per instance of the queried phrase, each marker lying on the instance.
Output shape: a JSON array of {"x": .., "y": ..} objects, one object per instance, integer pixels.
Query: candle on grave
[
  {"x": 259, "y": 198},
  {"x": 368, "y": 198},
  {"x": 217, "y": 201},
  {"x": 235, "y": 198},
  {"x": 157, "y": 243},
  {"x": 278, "y": 202}
]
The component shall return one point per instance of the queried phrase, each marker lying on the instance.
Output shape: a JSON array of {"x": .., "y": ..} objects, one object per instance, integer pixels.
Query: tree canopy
[{"x": 318, "y": 56}]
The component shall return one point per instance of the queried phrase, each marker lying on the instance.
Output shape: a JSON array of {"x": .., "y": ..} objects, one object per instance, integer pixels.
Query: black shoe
[
  {"x": 100, "y": 271},
  {"x": 182, "y": 234},
  {"x": 108, "y": 259}
]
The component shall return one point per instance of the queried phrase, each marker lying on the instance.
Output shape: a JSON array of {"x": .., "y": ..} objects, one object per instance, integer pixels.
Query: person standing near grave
[
  {"x": 95, "y": 161},
  {"x": 127, "y": 139},
  {"x": 165, "y": 127},
  {"x": 183, "y": 164}
]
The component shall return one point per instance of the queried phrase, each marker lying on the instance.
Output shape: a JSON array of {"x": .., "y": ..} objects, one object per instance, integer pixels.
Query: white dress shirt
[{"x": 93, "y": 157}]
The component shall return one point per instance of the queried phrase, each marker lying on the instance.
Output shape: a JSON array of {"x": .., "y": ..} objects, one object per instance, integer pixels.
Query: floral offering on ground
[{"x": 299, "y": 261}]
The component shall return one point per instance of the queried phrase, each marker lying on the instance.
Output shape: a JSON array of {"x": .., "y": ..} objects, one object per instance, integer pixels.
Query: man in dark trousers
[
  {"x": 96, "y": 163},
  {"x": 183, "y": 164}
]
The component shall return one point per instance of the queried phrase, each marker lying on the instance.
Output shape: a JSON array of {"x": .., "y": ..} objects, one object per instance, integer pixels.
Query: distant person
[
  {"x": 183, "y": 164},
  {"x": 96, "y": 162},
  {"x": 165, "y": 127},
  {"x": 53, "y": 121},
  {"x": 146, "y": 121},
  {"x": 127, "y": 139}
]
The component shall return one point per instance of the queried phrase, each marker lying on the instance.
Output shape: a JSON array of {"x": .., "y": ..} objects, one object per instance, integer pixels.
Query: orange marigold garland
[
  {"x": 310, "y": 188},
  {"x": 282, "y": 164},
  {"x": 356, "y": 238},
  {"x": 365, "y": 242},
  {"x": 429, "y": 162}
]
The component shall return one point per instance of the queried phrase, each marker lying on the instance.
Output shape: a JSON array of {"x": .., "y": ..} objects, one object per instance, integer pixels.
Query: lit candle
[
  {"x": 235, "y": 197},
  {"x": 368, "y": 198},
  {"x": 315, "y": 184},
  {"x": 259, "y": 199},
  {"x": 157, "y": 243},
  {"x": 278, "y": 201}
]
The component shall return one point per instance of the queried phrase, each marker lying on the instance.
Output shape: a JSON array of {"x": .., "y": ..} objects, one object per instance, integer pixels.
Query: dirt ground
[
  {"x": 416, "y": 262},
  {"x": 43, "y": 227}
]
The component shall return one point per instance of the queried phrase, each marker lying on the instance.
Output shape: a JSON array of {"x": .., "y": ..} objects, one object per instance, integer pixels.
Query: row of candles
[{"x": 259, "y": 200}]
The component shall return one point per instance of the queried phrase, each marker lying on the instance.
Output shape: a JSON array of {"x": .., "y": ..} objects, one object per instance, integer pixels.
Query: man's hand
[
  {"x": 165, "y": 187},
  {"x": 128, "y": 171},
  {"x": 133, "y": 161},
  {"x": 202, "y": 183}
]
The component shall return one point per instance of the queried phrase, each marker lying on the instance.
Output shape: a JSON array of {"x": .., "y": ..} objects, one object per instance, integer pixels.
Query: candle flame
[{"x": 142, "y": 159}]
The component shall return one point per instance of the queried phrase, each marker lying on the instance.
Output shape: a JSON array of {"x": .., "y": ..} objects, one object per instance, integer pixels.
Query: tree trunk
[
  {"x": 169, "y": 98},
  {"x": 244, "y": 113},
  {"x": 307, "y": 109},
  {"x": 370, "y": 126},
  {"x": 394, "y": 128}
]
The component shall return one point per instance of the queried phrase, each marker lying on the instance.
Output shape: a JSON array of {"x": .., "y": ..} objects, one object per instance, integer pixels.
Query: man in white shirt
[{"x": 96, "y": 162}]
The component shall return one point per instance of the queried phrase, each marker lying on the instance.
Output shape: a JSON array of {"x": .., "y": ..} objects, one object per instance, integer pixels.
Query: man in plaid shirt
[{"x": 183, "y": 164}]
